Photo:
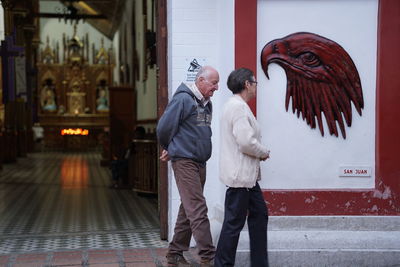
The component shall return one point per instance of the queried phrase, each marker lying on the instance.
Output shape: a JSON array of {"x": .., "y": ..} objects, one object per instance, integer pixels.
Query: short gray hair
[{"x": 203, "y": 72}]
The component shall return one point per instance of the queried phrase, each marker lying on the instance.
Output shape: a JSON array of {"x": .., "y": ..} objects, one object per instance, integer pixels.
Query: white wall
[
  {"x": 201, "y": 29},
  {"x": 1, "y": 23},
  {"x": 146, "y": 89},
  {"x": 300, "y": 157},
  {"x": 1, "y": 86}
]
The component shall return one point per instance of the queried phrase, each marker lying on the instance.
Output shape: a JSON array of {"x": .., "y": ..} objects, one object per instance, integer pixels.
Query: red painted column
[
  {"x": 388, "y": 98},
  {"x": 246, "y": 38}
]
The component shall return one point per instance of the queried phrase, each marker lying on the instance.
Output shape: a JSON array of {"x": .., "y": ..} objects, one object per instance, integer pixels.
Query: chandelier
[{"x": 70, "y": 13}]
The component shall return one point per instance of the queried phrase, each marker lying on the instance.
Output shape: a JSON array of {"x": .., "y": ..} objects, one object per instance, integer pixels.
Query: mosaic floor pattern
[{"x": 59, "y": 201}]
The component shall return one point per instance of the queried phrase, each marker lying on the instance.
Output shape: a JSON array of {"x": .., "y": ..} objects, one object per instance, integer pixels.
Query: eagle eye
[
  {"x": 309, "y": 59},
  {"x": 275, "y": 48}
]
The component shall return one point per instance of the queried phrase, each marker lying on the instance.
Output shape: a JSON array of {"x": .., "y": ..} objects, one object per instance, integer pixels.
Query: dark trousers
[
  {"x": 192, "y": 218},
  {"x": 119, "y": 169},
  {"x": 239, "y": 204}
]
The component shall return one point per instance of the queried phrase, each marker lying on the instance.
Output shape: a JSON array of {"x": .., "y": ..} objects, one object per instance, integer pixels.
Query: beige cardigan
[{"x": 241, "y": 149}]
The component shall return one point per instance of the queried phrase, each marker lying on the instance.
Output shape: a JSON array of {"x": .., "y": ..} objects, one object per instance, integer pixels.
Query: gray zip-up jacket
[{"x": 184, "y": 130}]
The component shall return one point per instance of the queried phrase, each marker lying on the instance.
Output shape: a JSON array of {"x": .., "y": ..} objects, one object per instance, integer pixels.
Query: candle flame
[{"x": 77, "y": 131}]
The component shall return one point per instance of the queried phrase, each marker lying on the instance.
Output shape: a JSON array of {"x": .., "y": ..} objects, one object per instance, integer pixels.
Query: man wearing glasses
[{"x": 241, "y": 152}]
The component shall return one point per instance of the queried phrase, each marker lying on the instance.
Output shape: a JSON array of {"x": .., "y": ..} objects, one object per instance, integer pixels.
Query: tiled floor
[
  {"x": 56, "y": 210},
  {"x": 142, "y": 257}
]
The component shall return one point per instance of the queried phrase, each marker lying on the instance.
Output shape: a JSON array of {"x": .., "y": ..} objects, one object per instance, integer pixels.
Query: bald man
[{"x": 184, "y": 133}]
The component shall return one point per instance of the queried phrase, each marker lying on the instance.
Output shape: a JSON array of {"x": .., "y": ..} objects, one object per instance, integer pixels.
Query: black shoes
[{"x": 176, "y": 260}]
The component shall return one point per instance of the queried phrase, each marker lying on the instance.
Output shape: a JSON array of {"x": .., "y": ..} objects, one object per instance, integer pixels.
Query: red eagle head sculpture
[{"x": 321, "y": 77}]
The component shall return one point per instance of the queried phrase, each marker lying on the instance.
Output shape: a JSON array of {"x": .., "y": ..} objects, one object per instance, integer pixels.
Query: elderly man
[{"x": 184, "y": 133}]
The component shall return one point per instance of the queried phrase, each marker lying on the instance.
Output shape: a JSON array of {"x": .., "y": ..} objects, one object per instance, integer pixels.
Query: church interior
[{"x": 79, "y": 102}]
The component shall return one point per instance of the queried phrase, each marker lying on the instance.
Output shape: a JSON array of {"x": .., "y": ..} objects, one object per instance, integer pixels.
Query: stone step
[{"x": 328, "y": 241}]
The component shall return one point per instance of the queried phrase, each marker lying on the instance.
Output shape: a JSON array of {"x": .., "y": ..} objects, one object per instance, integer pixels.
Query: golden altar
[{"x": 73, "y": 92}]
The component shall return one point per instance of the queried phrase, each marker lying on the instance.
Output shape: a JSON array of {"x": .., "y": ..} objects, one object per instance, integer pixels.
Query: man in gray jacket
[{"x": 184, "y": 133}]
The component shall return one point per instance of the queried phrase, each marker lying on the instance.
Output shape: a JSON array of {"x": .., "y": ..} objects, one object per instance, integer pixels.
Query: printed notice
[
  {"x": 193, "y": 67},
  {"x": 355, "y": 171}
]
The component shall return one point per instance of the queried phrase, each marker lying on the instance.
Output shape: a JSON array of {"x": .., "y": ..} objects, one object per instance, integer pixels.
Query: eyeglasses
[{"x": 253, "y": 82}]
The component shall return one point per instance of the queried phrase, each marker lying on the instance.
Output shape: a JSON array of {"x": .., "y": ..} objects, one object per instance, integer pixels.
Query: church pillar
[
  {"x": 31, "y": 89},
  {"x": 1, "y": 150},
  {"x": 16, "y": 52},
  {"x": 8, "y": 52},
  {"x": 1, "y": 93}
]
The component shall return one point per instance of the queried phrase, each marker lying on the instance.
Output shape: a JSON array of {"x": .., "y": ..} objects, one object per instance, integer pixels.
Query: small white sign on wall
[
  {"x": 193, "y": 67},
  {"x": 355, "y": 171}
]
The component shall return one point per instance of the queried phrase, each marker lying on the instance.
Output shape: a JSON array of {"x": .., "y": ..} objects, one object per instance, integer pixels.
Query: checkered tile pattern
[{"x": 60, "y": 201}]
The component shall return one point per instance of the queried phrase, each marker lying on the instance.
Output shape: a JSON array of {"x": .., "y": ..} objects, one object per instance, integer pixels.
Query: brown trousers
[{"x": 192, "y": 218}]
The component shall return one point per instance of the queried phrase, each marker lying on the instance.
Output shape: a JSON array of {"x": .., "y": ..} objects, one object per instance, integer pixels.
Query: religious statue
[
  {"x": 102, "y": 100},
  {"x": 48, "y": 97},
  {"x": 49, "y": 56},
  {"x": 83, "y": 86},
  {"x": 76, "y": 95},
  {"x": 102, "y": 56},
  {"x": 61, "y": 110},
  {"x": 76, "y": 99},
  {"x": 75, "y": 49}
]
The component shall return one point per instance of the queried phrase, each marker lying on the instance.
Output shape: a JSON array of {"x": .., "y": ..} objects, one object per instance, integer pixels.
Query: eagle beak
[
  {"x": 266, "y": 72},
  {"x": 266, "y": 55}
]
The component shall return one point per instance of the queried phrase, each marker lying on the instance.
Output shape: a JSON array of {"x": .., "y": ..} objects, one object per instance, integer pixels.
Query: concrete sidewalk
[{"x": 370, "y": 241}]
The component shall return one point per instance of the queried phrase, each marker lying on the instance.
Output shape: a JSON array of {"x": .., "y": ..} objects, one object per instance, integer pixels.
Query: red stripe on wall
[
  {"x": 385, "y": 198},
  {"x": 334, "y": 202},
  {"x": 246, "y": 38}
]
